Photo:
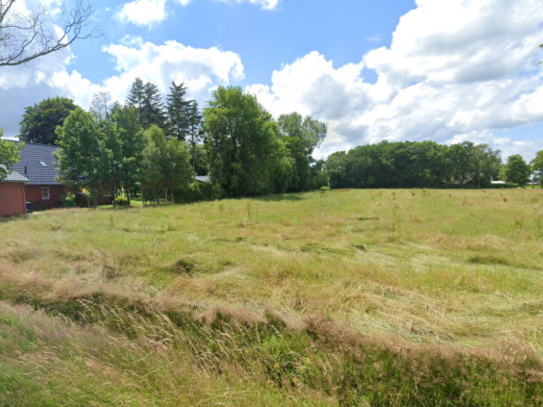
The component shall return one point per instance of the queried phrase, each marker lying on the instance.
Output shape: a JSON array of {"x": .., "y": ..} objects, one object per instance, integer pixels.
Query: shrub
[
  {"x": 121, "y": 202},
  {"x": 197, "y": 191},
  {"x": 68, "y": 201}
]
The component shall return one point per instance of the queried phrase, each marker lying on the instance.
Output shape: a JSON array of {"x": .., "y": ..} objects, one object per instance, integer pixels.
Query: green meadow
[{"x": 328, "y": 298}]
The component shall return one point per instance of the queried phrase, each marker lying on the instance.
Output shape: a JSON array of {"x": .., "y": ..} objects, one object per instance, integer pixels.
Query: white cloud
[
  {"x": 130, "y": 40},
  {"x": 374, "y": 38},
  {"x": 265, "y": 4},
  {"x": 202, "y": 70},
  {"x": 455, "y": 69},
  {"x": 145, "y": 13},
  {"x": 148, "y": 13}
]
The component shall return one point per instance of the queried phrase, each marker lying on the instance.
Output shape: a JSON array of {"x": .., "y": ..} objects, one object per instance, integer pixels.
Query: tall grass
[{"x": 337, "y": 298}]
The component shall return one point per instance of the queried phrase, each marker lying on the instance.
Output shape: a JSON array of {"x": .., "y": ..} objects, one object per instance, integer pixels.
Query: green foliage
[
  {"x": 413, "y": 164},
  {"x": 146, "y": 99},
  {"x": 319, "y": 178},
  {"x": 69, "y": 200},
  {"x": 178, "y": 122},
  {"x": 240, "y": 137},
  {"x": 166, "y": 166},
  {"x": 9, "y": 155},
  {"x": 198, "y": 155},
  {"x": 82, "y": 157},
  {"x": 153, "y": 108},
  {"x": 516, "y": 170},
  {"x": 537, "y": 167},
  {"x": 300, "y": 137},
  {"x": 197, "y": 192},
  {"x": 41, "y": 120},
  {"x": 121, "y": 202},
  {"x": 198, "y": 159},
  {"x": 126, "y": 145}
]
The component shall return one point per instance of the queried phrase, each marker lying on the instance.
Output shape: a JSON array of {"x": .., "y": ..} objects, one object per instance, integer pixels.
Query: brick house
[
  {"x": 12, "y": 195},
  {"x": 37, "y": 165}
]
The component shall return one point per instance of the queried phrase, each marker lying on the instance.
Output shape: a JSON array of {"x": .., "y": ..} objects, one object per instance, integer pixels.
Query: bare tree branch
[{"x": 25, "y": 36}]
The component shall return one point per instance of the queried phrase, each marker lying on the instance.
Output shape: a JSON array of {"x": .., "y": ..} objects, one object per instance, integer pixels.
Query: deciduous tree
[
  {"x": 82, "y": 156},
  {"x": 516, "y": 170},
  {"x": 132, "y": 144},
  {"x": 41, "y": 120},
  {"x": 240, "y": 137},
  {"x": 301, "y": 137},
  {"x": 9, "y": 155},
  {"x": 195, "y": 134},
  {"x": 537, "y": 168}
]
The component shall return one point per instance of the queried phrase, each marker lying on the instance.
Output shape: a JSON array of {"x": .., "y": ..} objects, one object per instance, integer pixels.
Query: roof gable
[{"x": 38, "y": 164}]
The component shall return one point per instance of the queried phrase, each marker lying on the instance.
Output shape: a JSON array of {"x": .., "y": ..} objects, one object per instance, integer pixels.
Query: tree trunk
[
  {"x": 95, "y": 199},
  {"x": 113, "y": 191},
  {"x": 127, "y": 192}
]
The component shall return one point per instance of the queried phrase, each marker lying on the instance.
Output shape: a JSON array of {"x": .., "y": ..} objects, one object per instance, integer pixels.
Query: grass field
[{"x": 344, "y": 297}]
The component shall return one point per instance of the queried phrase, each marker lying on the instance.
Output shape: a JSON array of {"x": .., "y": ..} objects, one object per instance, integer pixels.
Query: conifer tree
[
  {"x": 136, "y": 96},
  {"x": 153, "y": 108},
  {"x": 178, "y": 124}
]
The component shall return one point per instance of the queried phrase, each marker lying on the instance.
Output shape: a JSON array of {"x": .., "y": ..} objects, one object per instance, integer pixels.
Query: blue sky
[
  {"x": 264, "y": 39},
  {"x": 416, "y": 70}
]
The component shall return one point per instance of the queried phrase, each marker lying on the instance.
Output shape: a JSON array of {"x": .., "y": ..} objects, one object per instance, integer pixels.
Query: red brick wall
[
  {"x": 11, "y": 199},
  {"x": 33, "y": 194}
]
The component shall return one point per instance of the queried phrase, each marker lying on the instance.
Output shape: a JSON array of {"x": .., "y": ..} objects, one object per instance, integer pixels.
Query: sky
[{"x": 447, "y": 71}]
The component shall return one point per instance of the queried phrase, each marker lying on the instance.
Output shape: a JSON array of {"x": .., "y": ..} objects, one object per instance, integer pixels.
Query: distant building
[
  {"x": 12, "y": 195},
  {"x": 38, "y": 166},
  {"x": 36, "y": 174},
  {"x": 497, "y": 182}
]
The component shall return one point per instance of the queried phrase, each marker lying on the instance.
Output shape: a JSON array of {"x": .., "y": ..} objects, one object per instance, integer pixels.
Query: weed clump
[{"x": 182, "y": 266}]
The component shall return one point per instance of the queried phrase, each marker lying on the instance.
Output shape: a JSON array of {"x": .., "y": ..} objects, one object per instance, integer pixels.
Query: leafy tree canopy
[
  {"x": 82, "y": 158},
  {"x": 516, "y": 170},
  {"x": 537, "y": 167},
  {"x": 9, "y": 155},
  {"x": 241, "y": 137},
  {"x": 300, "y": 137},
  {"x": 41, "y": 120}
]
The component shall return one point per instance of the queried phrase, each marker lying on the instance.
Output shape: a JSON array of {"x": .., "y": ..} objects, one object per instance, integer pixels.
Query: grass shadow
[{"x": 282, "y": 197}]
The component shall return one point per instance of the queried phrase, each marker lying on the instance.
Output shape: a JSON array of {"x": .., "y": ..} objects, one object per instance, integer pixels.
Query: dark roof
[
  {"x": 14, "y": 177},
  {"x": 32, "y": 157}
]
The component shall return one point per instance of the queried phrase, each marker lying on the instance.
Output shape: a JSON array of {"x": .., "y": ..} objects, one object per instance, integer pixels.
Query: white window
[{"x": 45, "y": 194}]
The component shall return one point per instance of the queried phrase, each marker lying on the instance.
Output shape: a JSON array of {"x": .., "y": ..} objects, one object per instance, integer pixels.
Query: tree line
[
  {"x": 154, "y": 149},
  {"x": 427, "y": 164},
  {"x": 146, "y": 147}
]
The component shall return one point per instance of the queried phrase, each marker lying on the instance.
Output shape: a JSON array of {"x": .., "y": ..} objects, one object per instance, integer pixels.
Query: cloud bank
[
  {"x": 148, "y": 13},
  {"x": 455, "y": 70}
]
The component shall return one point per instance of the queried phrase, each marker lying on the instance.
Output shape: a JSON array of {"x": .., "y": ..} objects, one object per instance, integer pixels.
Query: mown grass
[{"x": 347, "y": 297}]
